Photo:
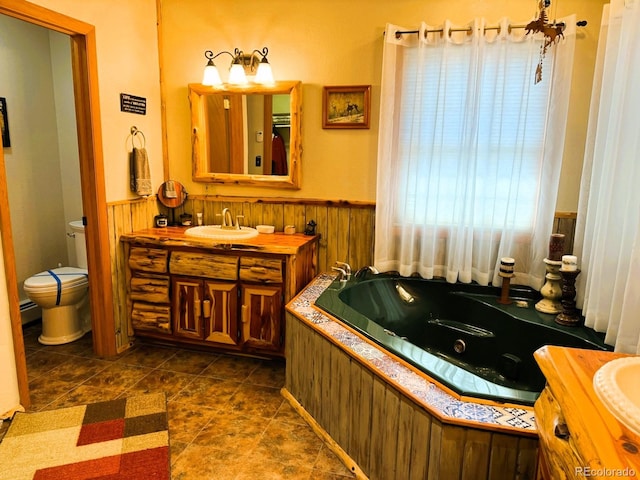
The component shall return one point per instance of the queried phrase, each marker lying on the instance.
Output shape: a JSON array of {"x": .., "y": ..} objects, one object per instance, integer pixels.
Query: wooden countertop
[
  {"x": 605, "y": 444},
  {"x": 278, "y": 243}
]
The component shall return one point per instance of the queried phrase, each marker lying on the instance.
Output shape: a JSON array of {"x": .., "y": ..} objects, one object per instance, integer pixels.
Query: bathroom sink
[
  {"x": 216, "y": 232},
  {"x": 617, "y": 385}
]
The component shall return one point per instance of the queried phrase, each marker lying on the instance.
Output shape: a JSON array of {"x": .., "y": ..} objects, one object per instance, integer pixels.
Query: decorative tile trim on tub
[{"x": 423, "y": 390}]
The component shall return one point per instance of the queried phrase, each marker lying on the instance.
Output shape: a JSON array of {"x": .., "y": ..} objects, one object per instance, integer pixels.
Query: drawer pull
[
  {"x": 561, "y": 431},
  {"x": 258, "y": 269}
]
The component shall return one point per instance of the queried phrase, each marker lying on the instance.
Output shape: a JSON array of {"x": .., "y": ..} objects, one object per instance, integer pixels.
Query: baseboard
[{"x": 29, "y": 312}]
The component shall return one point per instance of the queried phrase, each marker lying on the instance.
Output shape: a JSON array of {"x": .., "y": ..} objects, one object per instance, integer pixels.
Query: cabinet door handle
[
  {"x": 245, "y": 317},
  {"x": 206, "y": 304},
  {"x": 197, "y": 306}
]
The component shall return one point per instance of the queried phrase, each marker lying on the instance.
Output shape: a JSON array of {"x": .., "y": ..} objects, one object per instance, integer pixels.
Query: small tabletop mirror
[{"x": 172, "y": 194}]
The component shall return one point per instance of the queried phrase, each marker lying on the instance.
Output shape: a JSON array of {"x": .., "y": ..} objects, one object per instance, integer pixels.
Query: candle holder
[
  {"x": 551, "y": 291},
  {"x": 570, "y": 315},
  {"x": 507, "y": 265}
]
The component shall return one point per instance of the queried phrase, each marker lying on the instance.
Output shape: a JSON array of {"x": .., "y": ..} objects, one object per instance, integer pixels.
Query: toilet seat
[{"x": 56, "y": 280}]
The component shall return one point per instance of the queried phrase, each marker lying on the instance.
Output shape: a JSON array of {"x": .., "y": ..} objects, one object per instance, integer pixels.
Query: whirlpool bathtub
[{"x": 457, "y": 334}]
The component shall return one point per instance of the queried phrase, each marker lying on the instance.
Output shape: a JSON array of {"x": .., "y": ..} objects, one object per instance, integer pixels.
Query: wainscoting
[{"x": 346, "y": 230}]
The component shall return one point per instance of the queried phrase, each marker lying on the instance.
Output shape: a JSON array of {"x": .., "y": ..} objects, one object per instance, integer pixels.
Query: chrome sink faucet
[{"x": 227, "y": 220}]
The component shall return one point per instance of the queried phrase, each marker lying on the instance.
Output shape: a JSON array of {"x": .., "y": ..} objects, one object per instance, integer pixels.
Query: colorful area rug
[{"x": 118, "y": 439}]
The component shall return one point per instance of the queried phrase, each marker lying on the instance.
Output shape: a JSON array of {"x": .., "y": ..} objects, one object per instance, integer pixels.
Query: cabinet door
[
  {"x": 262, "y": 317},
  {"x": 187, "y": 308},
  {"x": 220, "y": 313}
]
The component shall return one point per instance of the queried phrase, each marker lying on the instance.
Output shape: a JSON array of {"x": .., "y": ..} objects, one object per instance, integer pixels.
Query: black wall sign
[{"x": 133, "y": 104}]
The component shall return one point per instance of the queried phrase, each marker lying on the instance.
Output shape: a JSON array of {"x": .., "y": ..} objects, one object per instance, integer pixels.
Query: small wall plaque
[{"x": 133, "y": 104}]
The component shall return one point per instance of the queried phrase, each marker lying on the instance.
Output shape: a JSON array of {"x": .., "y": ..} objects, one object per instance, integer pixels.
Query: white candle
[{"x": 569, "y": 263}]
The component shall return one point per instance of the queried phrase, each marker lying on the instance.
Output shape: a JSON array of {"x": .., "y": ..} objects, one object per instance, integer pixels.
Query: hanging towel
[
  {"x": 278, "y": 155},
  {"x": 140, "y": 173}
]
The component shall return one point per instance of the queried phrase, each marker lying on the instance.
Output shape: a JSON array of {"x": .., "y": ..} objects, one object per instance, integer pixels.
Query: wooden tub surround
[
  {"x": 206, "y": 293},
  {"x": 579, "y": 437},
  {"x": 391, "y": 420}
]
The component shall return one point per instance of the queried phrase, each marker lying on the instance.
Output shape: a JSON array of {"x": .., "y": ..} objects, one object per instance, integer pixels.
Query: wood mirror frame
[{"x": 200, "y": 141}]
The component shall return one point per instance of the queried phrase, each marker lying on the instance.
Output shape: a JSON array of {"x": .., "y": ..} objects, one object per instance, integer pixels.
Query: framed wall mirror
[{"x": 247, "y": 135}]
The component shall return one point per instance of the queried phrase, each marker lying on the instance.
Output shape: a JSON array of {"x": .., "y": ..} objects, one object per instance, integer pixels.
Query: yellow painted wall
[
  {"x": 127, "y": 50},
  {"x": 339, "y": 43},
  {"x": 320, "y": 42}
]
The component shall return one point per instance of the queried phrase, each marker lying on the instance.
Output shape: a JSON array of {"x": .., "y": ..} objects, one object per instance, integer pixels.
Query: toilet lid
[{"x": 57, "y": 278}]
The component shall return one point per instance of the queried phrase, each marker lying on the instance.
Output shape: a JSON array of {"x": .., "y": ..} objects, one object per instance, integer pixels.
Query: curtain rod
[{"x": 399, "y": 33}]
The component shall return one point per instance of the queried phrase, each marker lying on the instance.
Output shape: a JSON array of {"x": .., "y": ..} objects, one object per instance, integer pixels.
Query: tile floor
[{"x": 227, "y": 418}]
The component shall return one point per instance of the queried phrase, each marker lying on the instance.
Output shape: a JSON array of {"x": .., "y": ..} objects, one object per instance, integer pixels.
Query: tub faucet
[
  {"x": 342, "y": 272},
  {"x": 364, "y": 270},
  {"x": 346, "y": 267}
]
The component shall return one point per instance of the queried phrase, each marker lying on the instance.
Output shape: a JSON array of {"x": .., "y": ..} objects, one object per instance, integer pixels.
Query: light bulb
[
  {"x": 211, "y": 76},
  {"x": 264, "y": 75},
  {"x": 237, "y": 75}
]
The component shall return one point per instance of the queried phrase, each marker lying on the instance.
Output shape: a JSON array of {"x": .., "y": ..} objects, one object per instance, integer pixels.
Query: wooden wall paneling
[
  {"x": 256, "y": 213},
  {"x": 420, "y": 443},
  {"x": 119, "y": 223},
  {"x": 340, "y": 366},
  {"x": 359, "y": 443},
  {"x": 320, "y": 215},
  {"x": 288, "y": 215},
  {"x": 390, "y": 434},
  {"x": 343, "y": 235},
  {"x": 312, "y": 212},
  {"x": 332, "y": 229},
  {"x": 451, "y": 450},
  {"x": 326, "y": 404},
  {"x": 527, "y": 458},
  {"x": 315, "y": 370},
  {"x": 209, "y": 210},
  {"x": 296, "y": 215},
  {"x": 361, "y": 234},
  {"x": 404, "y": 443},
  {"x": 435, "y": 442},
  {"x": 475, "y": 460},
  {"x": 503, "y": 459},
  {"x": 377, "y": 430},
  {"x": 269, "y": 214}
]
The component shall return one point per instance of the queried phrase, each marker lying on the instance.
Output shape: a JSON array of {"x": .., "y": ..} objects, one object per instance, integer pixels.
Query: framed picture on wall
[
  {"x": 4, "y": 123},
  {"x": 346, "y": 106}
]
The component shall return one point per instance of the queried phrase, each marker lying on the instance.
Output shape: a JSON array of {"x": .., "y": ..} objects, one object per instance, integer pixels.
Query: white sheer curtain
[
  {"x": 608, "y": 227},
  {"x": 469, "y": 151}
]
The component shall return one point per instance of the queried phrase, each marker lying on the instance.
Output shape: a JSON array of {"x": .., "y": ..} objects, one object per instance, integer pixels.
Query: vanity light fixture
[{"x": 254, "y": 63}]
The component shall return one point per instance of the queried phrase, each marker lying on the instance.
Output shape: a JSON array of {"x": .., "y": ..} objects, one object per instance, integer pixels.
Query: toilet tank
[{"x": 81, "y": 246}]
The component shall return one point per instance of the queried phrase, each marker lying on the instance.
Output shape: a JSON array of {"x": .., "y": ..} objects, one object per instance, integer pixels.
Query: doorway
[{"x": 85, "y": 80}]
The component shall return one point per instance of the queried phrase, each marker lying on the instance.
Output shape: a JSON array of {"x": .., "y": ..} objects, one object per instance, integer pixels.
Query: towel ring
[{"x": 134, "y": 133}]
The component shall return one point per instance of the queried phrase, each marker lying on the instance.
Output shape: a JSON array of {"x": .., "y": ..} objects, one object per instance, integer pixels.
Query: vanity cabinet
[
  {"x": 231, "y": 298},
  {"x": 579, "y": 437}
]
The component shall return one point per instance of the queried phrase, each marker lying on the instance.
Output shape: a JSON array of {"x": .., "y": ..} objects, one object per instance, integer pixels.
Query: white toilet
[{"x": 62, "y": 295}]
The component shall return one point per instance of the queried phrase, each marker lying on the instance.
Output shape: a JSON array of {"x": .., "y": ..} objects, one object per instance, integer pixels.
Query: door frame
[{"x": 87, "y": 104}]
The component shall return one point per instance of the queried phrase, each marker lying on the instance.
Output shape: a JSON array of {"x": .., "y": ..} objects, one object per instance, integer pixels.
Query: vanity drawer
[
  {"x": 149, "y": 288},
  {"x": 151, "y": 316},
  {"x": 220, "y": 267},
  {"x": 148, "y": 259},
  {"x": 256, "y": 269}
]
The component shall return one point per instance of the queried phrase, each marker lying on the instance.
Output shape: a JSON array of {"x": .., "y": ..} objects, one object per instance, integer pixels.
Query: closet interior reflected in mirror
[{"x": 247, "y": 135}]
